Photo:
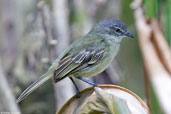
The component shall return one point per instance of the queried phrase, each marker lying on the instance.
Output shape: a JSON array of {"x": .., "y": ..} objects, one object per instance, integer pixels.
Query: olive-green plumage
[{"x": 86, "y": 57}]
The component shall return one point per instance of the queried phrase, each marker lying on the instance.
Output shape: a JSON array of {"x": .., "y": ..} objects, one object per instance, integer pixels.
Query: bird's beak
[{"x": 128, "y": 34}]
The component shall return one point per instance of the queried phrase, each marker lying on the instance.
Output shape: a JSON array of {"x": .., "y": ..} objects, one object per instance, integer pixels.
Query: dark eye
[{"x": 117, "y": 30}]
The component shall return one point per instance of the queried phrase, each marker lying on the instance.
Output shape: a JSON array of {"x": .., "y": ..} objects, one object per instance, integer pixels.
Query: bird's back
[{"x": 83, "y": 57}]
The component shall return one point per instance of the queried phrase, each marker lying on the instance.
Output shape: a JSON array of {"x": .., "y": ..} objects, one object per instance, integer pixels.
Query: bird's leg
[
  {"x": 87, "y": 81},
  {"x": 77, "y": 89}
]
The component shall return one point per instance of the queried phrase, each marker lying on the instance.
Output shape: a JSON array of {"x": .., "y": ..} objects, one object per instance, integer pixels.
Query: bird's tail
[{"x": 34, "y": 86}]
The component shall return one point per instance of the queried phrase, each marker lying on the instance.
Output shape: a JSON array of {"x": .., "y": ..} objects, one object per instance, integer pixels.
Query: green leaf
[
  {"x": 167, "y": 21},
  {"x": 155, "y": 105},
  {"x": 150, "y": 8}
]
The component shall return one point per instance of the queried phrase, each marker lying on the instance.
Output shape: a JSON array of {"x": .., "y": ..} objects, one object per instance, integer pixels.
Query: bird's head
[{"x": 115, "y": 29}]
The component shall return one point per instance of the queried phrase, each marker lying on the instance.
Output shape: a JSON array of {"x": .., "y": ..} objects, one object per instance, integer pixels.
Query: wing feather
[{"x": 83, "y": 59}]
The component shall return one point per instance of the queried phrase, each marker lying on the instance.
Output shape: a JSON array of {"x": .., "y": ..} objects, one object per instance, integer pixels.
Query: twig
[{"x": 49, "y": 40}]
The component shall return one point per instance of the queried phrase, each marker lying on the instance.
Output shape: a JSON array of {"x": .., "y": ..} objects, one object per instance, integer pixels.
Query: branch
[{"x": 46, "y": 23}]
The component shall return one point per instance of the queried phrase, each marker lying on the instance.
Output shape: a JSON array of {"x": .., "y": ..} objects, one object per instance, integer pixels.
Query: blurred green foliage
[
  {"x": 160, "y": 10},
  {"x": 130, "y": 54},
  {"x": 150, "y": 8},
  {"x": 155, "y": 106},
  {"x": 167, "y": 20}
]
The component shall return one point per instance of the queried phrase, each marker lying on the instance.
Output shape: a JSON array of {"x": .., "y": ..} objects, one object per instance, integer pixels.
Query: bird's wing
[{"x": 72, "y": 63}]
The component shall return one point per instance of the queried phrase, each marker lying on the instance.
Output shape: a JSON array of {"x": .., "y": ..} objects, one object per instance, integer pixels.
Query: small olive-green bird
[{"x": 87, "y": 56}]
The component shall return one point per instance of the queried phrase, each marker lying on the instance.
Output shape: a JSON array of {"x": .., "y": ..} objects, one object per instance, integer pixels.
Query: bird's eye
[{"x": 118, "y": 30}]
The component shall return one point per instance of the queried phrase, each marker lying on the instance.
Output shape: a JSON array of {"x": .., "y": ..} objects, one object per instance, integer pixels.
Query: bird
[{"x": 86, "y": 57}]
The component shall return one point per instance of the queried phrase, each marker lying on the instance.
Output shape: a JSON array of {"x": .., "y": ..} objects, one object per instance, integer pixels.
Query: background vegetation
[{"x": 33, "y": 33}]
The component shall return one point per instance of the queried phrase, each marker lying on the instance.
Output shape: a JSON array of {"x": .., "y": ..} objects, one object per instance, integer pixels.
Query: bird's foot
[
  {"x": 77, "y": 89},
  {"x": 88, "y": 81}
]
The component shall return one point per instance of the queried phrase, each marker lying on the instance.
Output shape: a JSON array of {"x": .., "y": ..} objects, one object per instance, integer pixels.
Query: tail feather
[{"x": 34, "y": 86}]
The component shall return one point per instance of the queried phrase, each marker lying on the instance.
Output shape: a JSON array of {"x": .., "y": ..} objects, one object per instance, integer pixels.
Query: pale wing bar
[{"x": 73, "y": 64}]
